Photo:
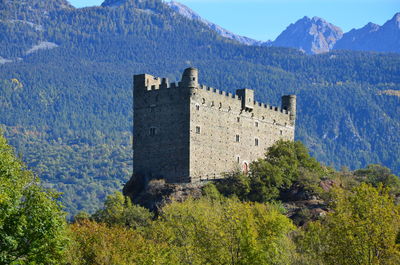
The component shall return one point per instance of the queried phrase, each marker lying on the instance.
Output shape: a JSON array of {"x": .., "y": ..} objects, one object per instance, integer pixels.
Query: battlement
[{"x": 146, "y": 82}]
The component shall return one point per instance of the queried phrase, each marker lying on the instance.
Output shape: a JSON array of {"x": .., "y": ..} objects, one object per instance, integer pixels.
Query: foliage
[
  {"x": 97, "y": 243},
  {"x": 362, "y": 229},
  {"x": 32, "y": 224},
  {"x": 285, "y": 163},
  {"x": 224, "y": 232},
  {"x": 119, "y": 210},
  {"x": 379, "y": 175}
]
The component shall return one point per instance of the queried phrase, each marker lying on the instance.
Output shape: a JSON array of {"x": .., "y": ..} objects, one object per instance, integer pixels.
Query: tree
[
  {"x": 119, "y": 210},
  {"x": 285, "y": 163},
  {"x": 99, "y": 243},
  {"x": 379, "y": 175},
  {"x": 224, "y": 232},
  {"x": 32, "y": 224},
  {"x": 362, "y": 229}
]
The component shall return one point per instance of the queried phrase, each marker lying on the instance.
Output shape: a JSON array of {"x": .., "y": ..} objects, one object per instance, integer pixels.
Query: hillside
[{"x": 68, "y": 109}]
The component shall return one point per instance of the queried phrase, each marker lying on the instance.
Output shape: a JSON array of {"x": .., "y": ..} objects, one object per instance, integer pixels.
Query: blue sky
[{"x": 266, "y": 19}]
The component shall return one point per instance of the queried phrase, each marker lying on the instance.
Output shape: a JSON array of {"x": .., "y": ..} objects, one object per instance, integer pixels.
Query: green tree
[
  {"x": 32, "y": 224},
  {"x": 379, "y": 175},
  {"x": 285, "y": 163},
  {"x": 361, "y": 229},
  {"x": 119, "y": 210}
]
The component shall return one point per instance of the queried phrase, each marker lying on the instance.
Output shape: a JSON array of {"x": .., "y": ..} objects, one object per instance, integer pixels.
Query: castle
[{"x": 187, "y": 132}]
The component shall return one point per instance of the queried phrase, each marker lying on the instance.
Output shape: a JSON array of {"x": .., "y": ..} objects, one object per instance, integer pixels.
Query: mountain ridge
[{"x": 313, "y": 35}]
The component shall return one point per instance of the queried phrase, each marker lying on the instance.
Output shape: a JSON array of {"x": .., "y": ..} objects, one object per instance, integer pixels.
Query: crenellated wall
[{"x": 186, "y": 132}]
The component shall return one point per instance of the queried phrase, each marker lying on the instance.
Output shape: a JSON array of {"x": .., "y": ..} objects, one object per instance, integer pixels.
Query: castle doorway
[{"x": 245, "y": 168}]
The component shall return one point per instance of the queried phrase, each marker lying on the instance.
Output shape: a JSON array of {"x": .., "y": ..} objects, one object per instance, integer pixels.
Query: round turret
[
  {"x": 289, "y": 104},
  {"x": 190, "y": 77}
]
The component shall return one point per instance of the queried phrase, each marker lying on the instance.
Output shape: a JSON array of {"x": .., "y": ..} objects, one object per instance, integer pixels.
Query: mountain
[
  {"x": 311, "y": 35},
  {"x": 66, "y": 90},
  {"x": 372, "y": 37},
  {"x": 190, "y": 14}
]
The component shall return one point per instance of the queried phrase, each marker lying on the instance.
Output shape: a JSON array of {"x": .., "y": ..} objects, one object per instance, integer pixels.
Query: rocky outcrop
[
  {"x": 154, "y": 194},
  {"x": 303, "y": 205}
]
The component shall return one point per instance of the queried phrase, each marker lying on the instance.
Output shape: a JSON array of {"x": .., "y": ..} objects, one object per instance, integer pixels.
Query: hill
[{"x": 66, "y": 86}]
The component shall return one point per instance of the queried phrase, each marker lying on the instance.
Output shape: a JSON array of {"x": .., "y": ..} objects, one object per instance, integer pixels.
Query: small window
[
  {"x": 238, "y": 159},
  {"x": 152, "y": 131},
  {"x": 194, "y": 78},
  {"x": 220, "y": 105},
  {"x": 256, "y": 124},
  {"x": 212, "y": 104},
  {"x": 237, "y": 138},
  {"x": 249, "y": 99},
  {"x": 203, "y": 101},
  {"x": 198, "y": 129},
  {"x": 197, "y": 107},
  {"x": 256, "y": 142},
  {"x": 229, "y": 108},
  {"x": 281, "y": 132},
  {"x": 238, "y": 119}
]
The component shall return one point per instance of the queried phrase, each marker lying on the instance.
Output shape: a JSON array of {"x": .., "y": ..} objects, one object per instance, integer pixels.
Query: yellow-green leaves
[
  {"x": 224, "y": 232},
  {"x": 362, "y": 229}
]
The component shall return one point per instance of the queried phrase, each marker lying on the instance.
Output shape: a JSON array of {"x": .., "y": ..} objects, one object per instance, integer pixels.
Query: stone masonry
[{"x": 187, "y": 132}]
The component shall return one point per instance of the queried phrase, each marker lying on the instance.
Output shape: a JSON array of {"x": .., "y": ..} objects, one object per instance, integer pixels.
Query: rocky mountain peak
[
  {"x": 371, "y": 27},
  {"x": 312, "y": 35},
  {"x": 395, "y": 20}
]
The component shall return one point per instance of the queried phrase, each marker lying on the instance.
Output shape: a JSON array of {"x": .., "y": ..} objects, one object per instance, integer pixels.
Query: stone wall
[
  {"x": 189, "y": 132},
  {"x": 221, "y": 119}
]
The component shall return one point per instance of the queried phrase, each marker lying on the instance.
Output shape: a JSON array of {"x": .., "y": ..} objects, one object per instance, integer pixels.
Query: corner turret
[
  {"x": 190, "y": 78},
  {"x": 289, "y": 104}
]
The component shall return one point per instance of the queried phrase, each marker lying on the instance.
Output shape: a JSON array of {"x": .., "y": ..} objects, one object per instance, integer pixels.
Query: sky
[{"x": 266, "y": 19}]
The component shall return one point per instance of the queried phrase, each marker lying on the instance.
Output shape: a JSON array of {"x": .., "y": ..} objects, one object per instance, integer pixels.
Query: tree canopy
[{"x": 32, "y": 223}]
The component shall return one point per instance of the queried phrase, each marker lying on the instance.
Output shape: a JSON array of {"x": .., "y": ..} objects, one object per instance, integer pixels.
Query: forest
[
  {"x": 68, "y": 109},
  {"x": 241, "y": 220}
]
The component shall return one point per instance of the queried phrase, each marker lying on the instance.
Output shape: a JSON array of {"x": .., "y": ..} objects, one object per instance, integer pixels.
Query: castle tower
[
  {"x": 190, "y": 78},
  {"x": 289, "y": 104},
  {"x": 247, "y": 97}
]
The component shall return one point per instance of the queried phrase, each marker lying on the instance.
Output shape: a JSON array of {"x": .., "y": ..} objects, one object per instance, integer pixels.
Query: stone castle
[{"x": 187, "y": 132}]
